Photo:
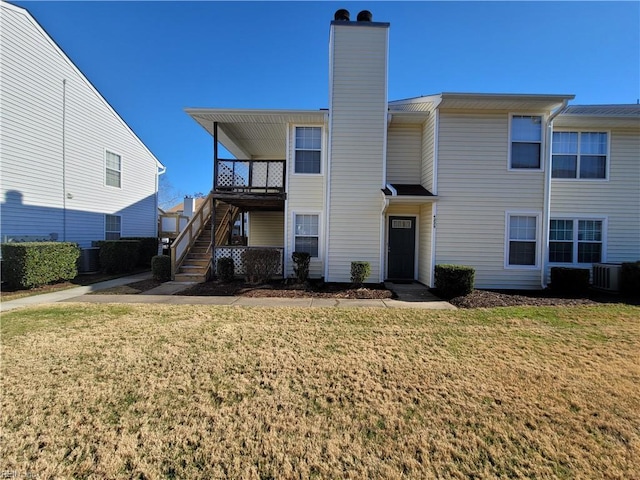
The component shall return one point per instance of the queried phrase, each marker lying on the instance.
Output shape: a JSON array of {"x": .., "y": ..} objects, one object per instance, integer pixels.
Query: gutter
[{"x": 547, "y": 193}]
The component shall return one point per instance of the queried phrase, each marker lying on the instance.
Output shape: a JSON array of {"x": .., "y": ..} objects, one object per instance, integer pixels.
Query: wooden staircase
[{"x": 196, "y": 265}]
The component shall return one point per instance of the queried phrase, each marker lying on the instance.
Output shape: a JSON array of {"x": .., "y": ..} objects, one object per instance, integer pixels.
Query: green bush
[
  {"x": 31, "y": 264},
  {"x": 161, "y": 268},
  {"x": 569, "y": 280},
  {"x": 225, "y": 269},
  {"x": 360, "y": 271},
  {"x": 630, "y": 278},
  {"x": 301, "y": 262},
  {"x": 260, "y": 264},
  {"x": 454, "y": 280},
  {"x": 147, "y": 250},
  {"x": 119, "y": 256}
]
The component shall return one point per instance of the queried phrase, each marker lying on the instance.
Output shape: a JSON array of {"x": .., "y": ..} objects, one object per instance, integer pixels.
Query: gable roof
[{"x": 66, "y": 58}]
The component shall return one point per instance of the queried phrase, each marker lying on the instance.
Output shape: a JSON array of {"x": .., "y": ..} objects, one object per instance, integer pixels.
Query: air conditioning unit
[
  {"x": 89, "y": 261},
  {"x": 606, "y": 276}
]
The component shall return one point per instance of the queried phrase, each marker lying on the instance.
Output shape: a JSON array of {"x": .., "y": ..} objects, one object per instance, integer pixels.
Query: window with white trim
[
  {"x": 307, "y": 238},
  {"x": 579, "y": 155},
  {"x": 526, "y": 142},
  {"x": 113, "y": 174},
  {"x": 522, "y": 231},
  {"x": 575, "y": 240},
  {"x": 112, "y": 227},
  {"x": 308, "y": 149}
]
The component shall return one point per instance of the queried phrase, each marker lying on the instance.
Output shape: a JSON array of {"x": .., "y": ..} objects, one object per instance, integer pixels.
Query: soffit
[{"x": 254, "y": 133}]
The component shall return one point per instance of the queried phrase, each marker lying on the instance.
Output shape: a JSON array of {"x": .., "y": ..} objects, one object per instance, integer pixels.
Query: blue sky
[{"x": 153, "y": 59}]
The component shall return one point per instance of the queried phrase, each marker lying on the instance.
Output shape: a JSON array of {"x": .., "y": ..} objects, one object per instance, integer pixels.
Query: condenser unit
[{"x": 606, "y": 276}]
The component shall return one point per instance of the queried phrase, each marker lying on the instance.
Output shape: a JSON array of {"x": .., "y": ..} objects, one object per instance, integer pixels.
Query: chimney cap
[
  {"x": 341, "y": 15},
  {"x": 365, "y": 16}
]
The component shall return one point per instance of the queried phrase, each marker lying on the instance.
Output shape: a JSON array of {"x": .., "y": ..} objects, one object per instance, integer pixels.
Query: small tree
[
  {"x": 225, "y": 269},
  {"x": 360, "y": 271},
  {"x": 260, "y": 264},
  {"x": 161, "y": 268},
  {"x": 301, "y": 262}
]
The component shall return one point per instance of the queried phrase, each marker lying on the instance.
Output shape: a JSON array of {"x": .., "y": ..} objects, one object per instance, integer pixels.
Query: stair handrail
[
  {"x": 187, "y": 237},
  {"x": 223, "y": 226}
]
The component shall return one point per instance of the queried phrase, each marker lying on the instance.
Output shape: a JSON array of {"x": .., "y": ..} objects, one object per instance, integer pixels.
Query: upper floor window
[
  {"x": 526, "y": 142},
  {"x": 112, "y": 227},
  {"x": 113, "y": 176},
  {"x": 308, "y": 147},
  {"x": 580, "y": 155}
]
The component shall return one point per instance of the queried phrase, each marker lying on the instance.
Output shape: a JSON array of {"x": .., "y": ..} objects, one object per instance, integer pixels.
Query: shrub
[
  {"x": 161, "y": 268},
  {"x": 260, "y": 264},
  {"x": 119, "y": 256},
  {"x": 630, "y": 278},
  {"x": 31, "y": 264},
  {"x": 301, "y": 262},
  {"x": 454, "y": 280},
  {"x": 147, "y": 250},
  {"x": 569, "y": 280},
  {"x": 360, "y": 271},
  {"x": 225, "y": 269}
]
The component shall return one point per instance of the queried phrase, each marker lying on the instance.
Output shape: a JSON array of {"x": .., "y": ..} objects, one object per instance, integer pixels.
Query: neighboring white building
[
  {"x": 70, "y": 168},
  {"x": 510, "y": 184}
]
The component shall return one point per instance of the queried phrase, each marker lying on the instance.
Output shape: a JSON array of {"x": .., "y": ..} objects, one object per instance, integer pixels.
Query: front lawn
[{"x": 179, "y": 391}]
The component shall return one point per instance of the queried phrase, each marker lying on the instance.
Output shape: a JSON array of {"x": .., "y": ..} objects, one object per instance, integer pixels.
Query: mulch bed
[{"x": 286, "y": 290}]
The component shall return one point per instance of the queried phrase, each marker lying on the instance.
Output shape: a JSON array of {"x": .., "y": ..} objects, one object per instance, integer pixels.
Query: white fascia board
[{"x": 412, "y": 199}]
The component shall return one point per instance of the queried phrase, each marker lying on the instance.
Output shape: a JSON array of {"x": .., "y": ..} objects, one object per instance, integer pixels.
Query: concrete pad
[
  {"x": 353, "y": 303},
  {"x": 169, "y": 288},
  {"x": 324, "y": 302}
]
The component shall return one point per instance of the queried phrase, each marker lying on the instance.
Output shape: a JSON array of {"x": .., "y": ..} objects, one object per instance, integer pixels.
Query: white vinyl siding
[
  {"x": 358, "y": 104},
  {"x": 618, "y": 199},
  {"x": 429, "y": 152},
  {"x": 266, "y": 229},
  {"x": 404, "y": 154},
  {"x": 32, "y": 70},
  {"x": 425, "y": 225},
  {"x": 475, "y": 190}
]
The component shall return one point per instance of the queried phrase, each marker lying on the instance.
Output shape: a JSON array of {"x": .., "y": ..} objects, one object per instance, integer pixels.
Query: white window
[
  {"x": 575, "y": 241},
  {"x": 526, "y": 142},
  {"x": 112, "y": 227},
  {"x": 580, "y": 155},
  {"x": 113, "y": 175},
  {"x": 306, "y": 234},
  {"x": 308, "y": 149},
  {"x": 522, "y": 233}
]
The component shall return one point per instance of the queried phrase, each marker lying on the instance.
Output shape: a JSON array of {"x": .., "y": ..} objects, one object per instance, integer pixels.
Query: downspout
[
  {"x": 547, "y": 194},
  {"x": 64, "y": 161}
]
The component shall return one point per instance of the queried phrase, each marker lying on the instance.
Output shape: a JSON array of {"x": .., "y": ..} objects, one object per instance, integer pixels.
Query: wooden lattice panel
[{"x": 235, "y": 253}]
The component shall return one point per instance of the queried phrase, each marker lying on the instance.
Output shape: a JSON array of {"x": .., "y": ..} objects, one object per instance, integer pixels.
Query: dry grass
[{"x": 153, "y": 391}]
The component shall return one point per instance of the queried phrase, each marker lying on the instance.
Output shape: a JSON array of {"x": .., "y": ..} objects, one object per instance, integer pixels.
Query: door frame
[{"x": 416, "y": 218}]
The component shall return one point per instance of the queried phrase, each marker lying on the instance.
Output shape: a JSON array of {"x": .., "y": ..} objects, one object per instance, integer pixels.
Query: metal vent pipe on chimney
[
  {"x": 341, "y": 15},
  {"x": 365, "y": 16}
]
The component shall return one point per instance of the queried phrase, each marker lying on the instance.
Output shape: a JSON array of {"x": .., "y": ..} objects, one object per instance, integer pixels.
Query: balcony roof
[{"x": 254, "y": 134}]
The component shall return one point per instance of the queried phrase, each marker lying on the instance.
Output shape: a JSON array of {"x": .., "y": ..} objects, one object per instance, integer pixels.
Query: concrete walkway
[{"x": 409, "y": 296}]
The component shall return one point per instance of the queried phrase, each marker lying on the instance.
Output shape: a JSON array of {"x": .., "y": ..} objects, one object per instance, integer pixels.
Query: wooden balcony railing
[{"x": 250, "y": 176}]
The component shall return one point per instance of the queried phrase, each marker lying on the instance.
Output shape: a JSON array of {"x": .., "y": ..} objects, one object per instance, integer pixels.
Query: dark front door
[{"x": 402, "y": 248}]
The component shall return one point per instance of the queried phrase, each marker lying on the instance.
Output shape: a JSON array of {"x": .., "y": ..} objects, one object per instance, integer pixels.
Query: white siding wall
[
  {"x": 305, "y": 195},
  {"x": 358, "y": 105},
  {"x": 33, "y": 200},
  {"x": 428, "y": 152},
  {"x": 475, "y": 189},
  {"x": 266, "y": 229},
  {"x": 617, "y": 199},
  {"x": 425, "y": 265},
  {"x": 404, "y": 154}
]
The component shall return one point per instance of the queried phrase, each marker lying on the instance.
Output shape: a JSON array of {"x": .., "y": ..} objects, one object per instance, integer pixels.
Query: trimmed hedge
[
  {"x": 225, "y": 269},
  {"x": 630, "y": 278},
  {"x": 301, "y": 262},
  {"x": 161, "y": 268},
  {"x": 32, "y": 264},
  {"x": 260, "y": 264},
  {"x": 360, "y": 271},
  {"x": 454, "y": 280},
  {"x": 119, "y": 256},
  {"x": 147, "y": 250},
  {"x": 570, "y": 280}
]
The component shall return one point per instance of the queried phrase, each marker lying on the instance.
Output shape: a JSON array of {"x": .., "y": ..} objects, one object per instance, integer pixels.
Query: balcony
[{"x": 251, "y": 184}]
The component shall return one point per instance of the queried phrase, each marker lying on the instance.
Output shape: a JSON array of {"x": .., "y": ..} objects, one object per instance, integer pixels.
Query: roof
[
  {"x": 402, "y": 190},
  {"x": 66, "y": 58},
  {"x": 600, "y": 116},
  {"x": 254, "y": 134},
  {"x": 482, "y": 101}
]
